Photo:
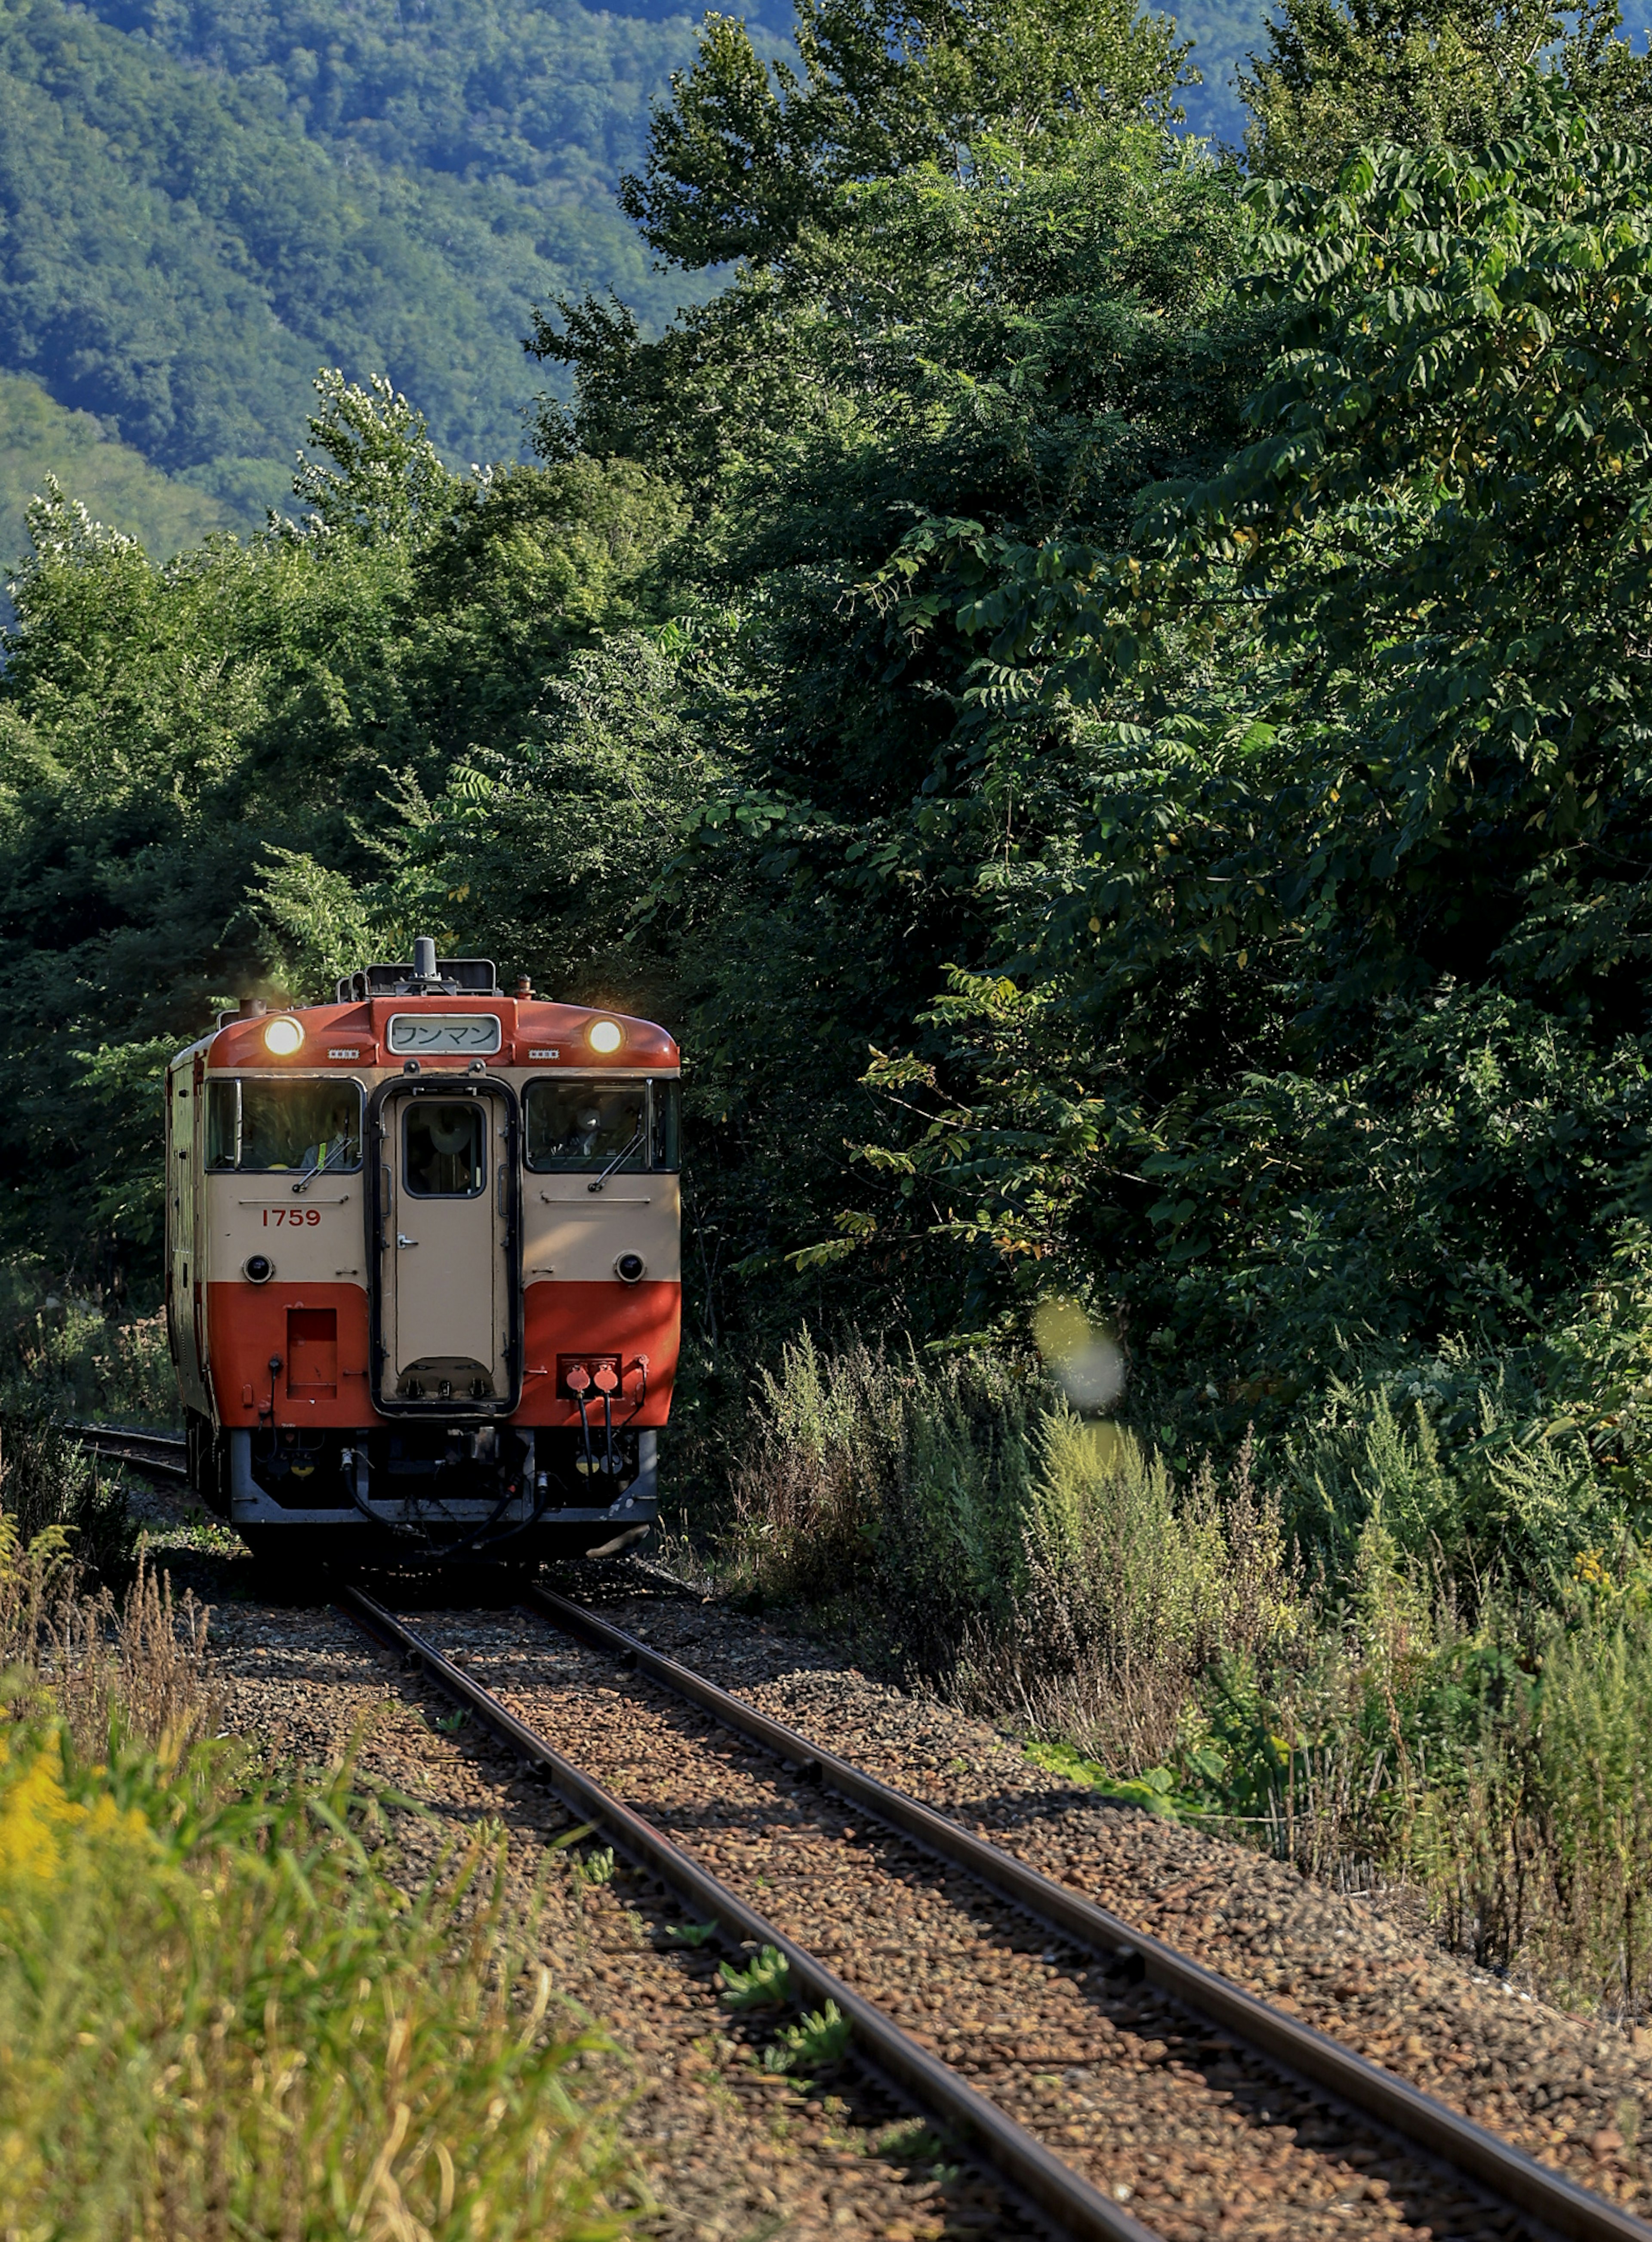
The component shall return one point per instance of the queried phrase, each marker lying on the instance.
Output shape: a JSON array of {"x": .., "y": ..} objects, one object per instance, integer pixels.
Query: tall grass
[
  {"x": 1415, "y": 1643},
  {"x": 219, "y": 2014},
  {"x": 879, "y": 1486},
  {"x": 1126, "y": 1589},
  {"x": 63, "y": 1355}
]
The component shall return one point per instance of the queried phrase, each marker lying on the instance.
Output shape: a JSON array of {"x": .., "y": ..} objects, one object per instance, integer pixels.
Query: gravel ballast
[
  {"x": 730, "y": 2152},
  {"x": 1575, "y": 2094},
  {"x": 1195, "y": 2134}
]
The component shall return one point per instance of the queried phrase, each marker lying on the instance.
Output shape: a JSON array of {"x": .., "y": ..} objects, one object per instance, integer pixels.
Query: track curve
[
  {"x": 943, "y": 1948},
  {"x": 1541, "y": 2200}
]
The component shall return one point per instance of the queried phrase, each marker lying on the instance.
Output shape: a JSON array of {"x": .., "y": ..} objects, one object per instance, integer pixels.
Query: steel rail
[
  {"x": 1417, "y": 2119},
  {"x": 165, "y": 1454},
  {"x": 1076, "y": 2206}
]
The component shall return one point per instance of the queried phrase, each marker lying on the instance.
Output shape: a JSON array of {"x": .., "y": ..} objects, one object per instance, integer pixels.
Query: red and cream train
[{"x": 423, "y": 1274}]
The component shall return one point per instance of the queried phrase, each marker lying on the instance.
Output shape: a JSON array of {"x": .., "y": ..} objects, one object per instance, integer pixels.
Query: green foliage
[
  {"x": 1022, "y": 346},
  {"x": 47, "y": 1483},
  {"x": 817, "y": 2040},
  {"x": 1322, "y": 1026},
  {"x": 1332, "y": 75},
  {"x": 691, "y": 1934},
  {"x": 880, "y": 1481},
  {"x": 67, "y": 1357},
  {"x": 555, "y": 102},
  {"x": 748, "y": 154},
  {"x": 303, "y": 2040},
  {"x": 766, "y": 1982}
]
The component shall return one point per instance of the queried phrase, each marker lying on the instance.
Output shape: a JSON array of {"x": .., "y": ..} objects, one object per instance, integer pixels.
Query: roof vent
[{"x": 426, "y": 975}]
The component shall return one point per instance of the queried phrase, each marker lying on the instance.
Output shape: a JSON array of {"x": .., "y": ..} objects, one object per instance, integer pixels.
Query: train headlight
[
  {"x": 283, "y": 1036},
  {"x": 605, "y": 1036},
  {"x": 630, "y": 1268}
]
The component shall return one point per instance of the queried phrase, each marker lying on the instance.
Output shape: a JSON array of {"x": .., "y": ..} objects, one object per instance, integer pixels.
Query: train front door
[{"x": 446, "y": 1285}]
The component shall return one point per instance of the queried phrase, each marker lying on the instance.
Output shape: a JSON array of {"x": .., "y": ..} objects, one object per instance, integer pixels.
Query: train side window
[
  {"x": 283, "y": 1127},
  {"x": 444, "y": 1149},
  {"x": 585, "y": 1128},
  {"x": 666, "y": 1099}
]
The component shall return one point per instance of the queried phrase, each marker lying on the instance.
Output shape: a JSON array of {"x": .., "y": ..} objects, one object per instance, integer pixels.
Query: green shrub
[
  {"x": 891, "y": 1487},
  {"x": 1467, "y": 1462},
  {"x": 1128, "y": 1589},
  {"x": 218, "y": 2013},
  {"x": 65, "y": 1355},
  {"x": 48, "y": 1481},
  {"x": 1538, "y": 1843}
]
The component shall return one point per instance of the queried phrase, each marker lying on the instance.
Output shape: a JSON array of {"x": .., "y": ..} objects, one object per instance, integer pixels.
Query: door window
[{"x": 444, "y": 1149}]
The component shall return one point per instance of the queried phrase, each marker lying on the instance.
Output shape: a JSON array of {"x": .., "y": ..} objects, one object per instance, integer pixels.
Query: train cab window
[
  {"x": 588, "y": 1128},
  {"x": 284, "y": 1127},
  {"x": 584, "y": 1128},
  {"x": 444, "y": 1149}
]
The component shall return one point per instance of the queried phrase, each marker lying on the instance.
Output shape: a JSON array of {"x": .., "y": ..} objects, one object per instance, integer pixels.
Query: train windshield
[
  {"x": 590, "y": 1128},
  {"x": 281, "y": 1127}
]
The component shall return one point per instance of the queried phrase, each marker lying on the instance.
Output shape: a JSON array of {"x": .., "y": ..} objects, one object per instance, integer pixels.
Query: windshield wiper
[
  {"x": 624, "y": 1152},
  {"x": 309, "y": 1174}
]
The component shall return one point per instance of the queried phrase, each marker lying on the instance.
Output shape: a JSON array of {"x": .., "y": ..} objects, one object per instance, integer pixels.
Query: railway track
[
  {"x": 1092, "y": 2067},
  {"x": 1263, "y": 2109},
  {"x": 160, "y": 1455}
]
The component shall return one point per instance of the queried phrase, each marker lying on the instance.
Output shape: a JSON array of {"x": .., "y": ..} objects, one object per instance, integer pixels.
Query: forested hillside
[
  {"x": 39, "y": 440},
  {"x": 193, "y": 222},
  {"x": 1104, "y": 696}
]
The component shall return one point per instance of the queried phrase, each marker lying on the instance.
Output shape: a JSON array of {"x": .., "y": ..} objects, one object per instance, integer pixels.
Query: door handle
[{"x": 402, "y": 1241}]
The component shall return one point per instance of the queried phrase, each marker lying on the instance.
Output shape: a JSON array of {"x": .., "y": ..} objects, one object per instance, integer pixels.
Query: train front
[{"x": 423, "y": 1284}]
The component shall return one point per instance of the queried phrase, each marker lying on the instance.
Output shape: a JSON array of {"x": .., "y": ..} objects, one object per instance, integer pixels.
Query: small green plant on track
[
  {"x": 690, "y": 1934},
  {"x": 596, "y": 1868},
  {"x": 765, "y": 1984},
  {"x": 911, "y": 2141},
  {"x": 815, "y": 2043}
]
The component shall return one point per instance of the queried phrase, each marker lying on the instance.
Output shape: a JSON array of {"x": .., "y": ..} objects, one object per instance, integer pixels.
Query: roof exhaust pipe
[{"x": 424, "y": 958}]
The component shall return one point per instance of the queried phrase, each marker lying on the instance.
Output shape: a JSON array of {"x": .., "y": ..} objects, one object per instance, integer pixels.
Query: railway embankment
[
  {"x": 739, "y": 2120},
  {"x": 1573, "y": 2091}
]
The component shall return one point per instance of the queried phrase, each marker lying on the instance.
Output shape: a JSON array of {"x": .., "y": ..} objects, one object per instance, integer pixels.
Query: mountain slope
[
  {"x": 114, "y": 483},
  {"x": 178, "y": 255}
]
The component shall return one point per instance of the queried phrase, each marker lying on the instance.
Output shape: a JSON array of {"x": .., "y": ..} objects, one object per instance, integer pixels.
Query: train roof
[{"x": 384, "y": 1014}]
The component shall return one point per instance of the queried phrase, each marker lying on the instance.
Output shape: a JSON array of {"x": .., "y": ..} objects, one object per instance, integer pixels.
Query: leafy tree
[
  {"x": 1327, "y": 1020},
  {"x": 1024, "y": 348},
  {"x": 749, "y": 152},
  {"x": 1424, "y": 72}
]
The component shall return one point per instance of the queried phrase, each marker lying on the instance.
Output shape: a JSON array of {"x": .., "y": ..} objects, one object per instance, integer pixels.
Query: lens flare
[
  {"x": 1086, "y": 1362},
  {"x": 283, "y": 1036},
  {"x": 605, "y": 1036}
]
